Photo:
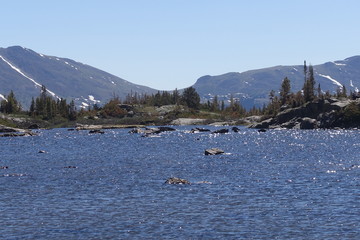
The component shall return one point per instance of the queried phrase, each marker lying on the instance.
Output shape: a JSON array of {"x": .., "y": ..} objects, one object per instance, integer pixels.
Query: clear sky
[{"x": 168, "y": 44}]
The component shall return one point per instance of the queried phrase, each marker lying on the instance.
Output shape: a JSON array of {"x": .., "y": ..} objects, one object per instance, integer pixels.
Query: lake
[{"x": 280, "y": 184}]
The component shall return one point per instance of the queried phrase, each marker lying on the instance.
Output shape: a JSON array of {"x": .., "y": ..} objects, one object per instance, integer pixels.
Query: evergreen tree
[
  {"x": 10, "y": 104},
  {"x": 72, "y": 111},
  {"x": 222, "y": 105},
  {"x": 215, "y": 104},
  {"x": 191, "y": 98},
  {"x": 285, "y": 91},
  {"x": 309, "y": 86},
  {"x": 32, "y": 108}
]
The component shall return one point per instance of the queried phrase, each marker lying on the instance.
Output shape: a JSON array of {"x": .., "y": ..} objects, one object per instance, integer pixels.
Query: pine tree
[
  {"x": 191, "y": 98},
  {"x": 285, "y": 91},
  {"x": 10, "y": 105},
  {"x": 215, "y": 104},
  {"x": 309, "y": 85}
]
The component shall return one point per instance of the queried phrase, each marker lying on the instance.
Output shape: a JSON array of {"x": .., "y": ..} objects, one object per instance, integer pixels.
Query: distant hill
[
  {"x": 24, "y": 71},
  {"x": 253, "y": 87}
]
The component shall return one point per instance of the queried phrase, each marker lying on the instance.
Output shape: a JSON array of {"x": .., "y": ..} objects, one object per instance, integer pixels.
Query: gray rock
[
  {"x": 214, "y": 151},
  {"x": 222, "y": 131},
  {"x": 308, "y": 123},
  {"x": 175, "y": 180},
  {"x": 96, "y": 131}
]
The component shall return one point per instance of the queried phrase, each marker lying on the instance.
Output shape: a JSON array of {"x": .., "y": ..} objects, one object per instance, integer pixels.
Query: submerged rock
[
  {"x": 175, "y": 180},
  {"x": 70, "y": 167},
  {"x": 214, "y": 151}
]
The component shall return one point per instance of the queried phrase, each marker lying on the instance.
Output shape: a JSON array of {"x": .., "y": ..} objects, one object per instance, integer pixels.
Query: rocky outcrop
[
  {"x": 214, "y": 151},
  {"x": 188, "y": 121},
  {"x": 148, "y": 131},
  {"x": 14, "y": 132},
  {"x": 23, "y": 134},
  {"x": 5, "y": 129},
  {"x": 106, "y": 126},
  {"x": 323, "y": 113},
  {"x": 175, "y": 180}
]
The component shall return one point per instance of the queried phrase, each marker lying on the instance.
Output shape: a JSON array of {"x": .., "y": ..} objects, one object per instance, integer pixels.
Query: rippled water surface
[{"x": 281, "y": 184}]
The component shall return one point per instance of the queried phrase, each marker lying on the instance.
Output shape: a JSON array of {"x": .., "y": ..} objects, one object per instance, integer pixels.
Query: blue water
[{"x": 281, "y": 184}]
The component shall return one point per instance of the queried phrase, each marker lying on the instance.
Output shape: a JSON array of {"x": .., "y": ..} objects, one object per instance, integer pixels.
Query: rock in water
[
  {"x": 175, "y": 180},
  {"x": 222, "y": 131},
  {"x": 213, "y": 151},
  {"x": 235, "y": 129},
  {"x": 197, "y": 130},
  {"x": 96, "y": 131}
]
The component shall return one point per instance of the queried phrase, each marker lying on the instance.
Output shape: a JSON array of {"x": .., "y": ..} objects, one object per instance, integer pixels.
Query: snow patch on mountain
[
  {"x": 339, "y": 64},
  {"x": 331, "y": 79},
  {"x": 84, "y": 105},
  {"x": 92, "y": 99},
  {"x": 2, "y": 97},
  {"x": 24, "y": 75}
]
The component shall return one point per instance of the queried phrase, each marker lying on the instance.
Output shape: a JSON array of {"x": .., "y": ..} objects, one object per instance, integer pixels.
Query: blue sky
[{"x": 168, "y": 44}]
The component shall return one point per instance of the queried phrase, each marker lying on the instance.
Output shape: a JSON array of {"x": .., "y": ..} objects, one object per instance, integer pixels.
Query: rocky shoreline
[{"x": 321, "y": 114}]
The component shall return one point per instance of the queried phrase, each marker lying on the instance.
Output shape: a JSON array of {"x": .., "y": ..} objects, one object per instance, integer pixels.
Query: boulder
[
  {"x": 235, "y": 129},
  {"x": 96, "y": 131},
  {"x": 262, "y": 130},
  {"x": 136, "y": 130},
  {"x": 222, "y": 131},
  {"x": 197, "y": 130},
  {"x": 166, "y": 129},
  {"x": 175, "y": 180},
  {"x": 213, "y": 151},
  {"x": 308, "y": 123}
]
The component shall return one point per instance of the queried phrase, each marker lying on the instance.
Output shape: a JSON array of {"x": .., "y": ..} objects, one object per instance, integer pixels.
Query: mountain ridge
[
  {"x": 252, "y": 87},
  {"x": 24, "y": 71}
]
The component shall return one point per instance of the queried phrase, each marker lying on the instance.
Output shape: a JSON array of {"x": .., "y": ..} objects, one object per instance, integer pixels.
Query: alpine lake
[{"x": 278, "y": 184}]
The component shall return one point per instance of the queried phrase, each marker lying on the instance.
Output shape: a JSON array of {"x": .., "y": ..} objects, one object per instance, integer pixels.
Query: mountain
[
  {"x": 24, "y": 71},
  {"x": 253, "y": 87}
]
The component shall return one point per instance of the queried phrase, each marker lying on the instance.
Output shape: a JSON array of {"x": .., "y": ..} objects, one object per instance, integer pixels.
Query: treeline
[
  {"x": 47, "y": 107},
  {"x": 190, "y": 98},
  {"x": 44, "y": 106}
]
